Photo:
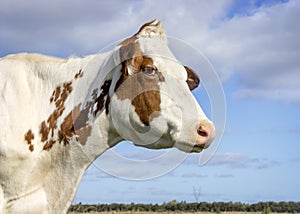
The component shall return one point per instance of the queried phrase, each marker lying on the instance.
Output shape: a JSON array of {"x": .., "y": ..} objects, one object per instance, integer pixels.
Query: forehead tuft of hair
[{"x": 149, "y": 29}]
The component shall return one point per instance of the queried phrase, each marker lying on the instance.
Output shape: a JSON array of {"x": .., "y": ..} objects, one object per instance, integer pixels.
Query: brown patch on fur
[
  {"x": 82, "y": 117},
  {"x": 192, "y": 79},
  {"x": 55, "y": 95},
  {"x": 68, "y": 128},
  {"x": 31, "y": 147},
  {"x": 94, "y": 106},
  {"x": 83, "y": 134},
  {"x": 75, "y": 124},
  {"x": 79, "y": 74},
  {"x": 148, "y": 101},
  {"x": 146, "y": 25},
  {"x": 130, "y": 55},
  {"x": 100, "y": 101},
  {"x": 48, "y": 145},
  {"x": 146, "y": 104},
  {"x": 44, "y": 131},
  {"x": 59, "y": 97},
  {"x": 29, "y": 136}
]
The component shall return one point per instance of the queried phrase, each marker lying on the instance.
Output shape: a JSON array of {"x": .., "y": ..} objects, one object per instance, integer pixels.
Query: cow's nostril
[
  {"x": 205, "y": 134},
  {"x": 202, "y": 132}
]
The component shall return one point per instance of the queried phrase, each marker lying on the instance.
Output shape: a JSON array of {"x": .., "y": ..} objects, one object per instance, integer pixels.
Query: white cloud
[
  {"x": 259, "y": 46},
  {"x": 265, "y": 163},
  {"x": 233, "y": 160},
  {"x": 240, "y": 161},
  {"x": 62, "y": 27},
  {"x": 287, "y": 95},
  {"x": 193, "y": 175},
  {"x": 224, "y": 175},
  {"x": 262, "y": 49},
  {"x": 75, "y": 25}
]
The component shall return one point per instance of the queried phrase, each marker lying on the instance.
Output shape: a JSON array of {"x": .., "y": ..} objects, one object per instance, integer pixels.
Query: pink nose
[{"x": 206, "y": 134}]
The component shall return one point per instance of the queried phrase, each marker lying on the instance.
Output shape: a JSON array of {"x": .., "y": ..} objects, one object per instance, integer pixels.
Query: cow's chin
[
  {"x": 166, "y": 143},
  {"x": 162, "y": 143}
]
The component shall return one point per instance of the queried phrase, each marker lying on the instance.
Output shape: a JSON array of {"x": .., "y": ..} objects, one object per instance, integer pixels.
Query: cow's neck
[{"x": 87, "y": 109}]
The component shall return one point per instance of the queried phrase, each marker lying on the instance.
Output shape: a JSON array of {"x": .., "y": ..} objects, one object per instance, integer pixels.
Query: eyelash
[{"x": 149, "y": 70}]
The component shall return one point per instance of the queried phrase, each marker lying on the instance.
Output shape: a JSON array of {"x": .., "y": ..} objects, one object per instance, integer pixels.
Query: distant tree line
[{"x": 216, "y": 207}]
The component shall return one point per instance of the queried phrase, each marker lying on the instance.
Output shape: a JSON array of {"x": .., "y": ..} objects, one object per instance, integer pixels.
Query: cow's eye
[{"x": 149, "y": 70}]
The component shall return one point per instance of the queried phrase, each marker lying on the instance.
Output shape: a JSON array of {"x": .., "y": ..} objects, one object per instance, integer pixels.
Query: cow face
[{"x": 152, "y": 104}]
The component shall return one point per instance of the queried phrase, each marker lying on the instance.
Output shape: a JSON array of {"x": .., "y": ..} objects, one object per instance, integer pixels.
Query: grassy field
[{"x": 178, "y": 212}]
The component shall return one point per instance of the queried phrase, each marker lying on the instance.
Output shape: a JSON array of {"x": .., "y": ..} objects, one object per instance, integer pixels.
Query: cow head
[{"x": 151, "y": 103}]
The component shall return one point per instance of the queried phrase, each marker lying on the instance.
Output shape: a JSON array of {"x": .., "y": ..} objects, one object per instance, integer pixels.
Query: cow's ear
[
  {"x": 193, "y": 79},
  {"x": 153, "y": 28}
]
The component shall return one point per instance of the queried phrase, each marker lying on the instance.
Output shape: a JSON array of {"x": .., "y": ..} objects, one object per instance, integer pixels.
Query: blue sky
[{"x": 254, "y": 48}]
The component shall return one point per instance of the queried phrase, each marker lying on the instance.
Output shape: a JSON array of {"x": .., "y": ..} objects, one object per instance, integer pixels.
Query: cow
[{"x": 58, "y": 115}]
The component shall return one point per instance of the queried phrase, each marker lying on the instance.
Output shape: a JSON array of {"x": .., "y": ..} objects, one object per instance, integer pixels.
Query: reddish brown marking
[
  {"x": 146, "y": 25},
  {"x": 82, "y": 116},
  {"x": 48, "y": 145},
  {"x": 100, "y": 101},
  {"x": 48, "y": 127},
  {"x": 55, "y": 95},
  {"x": 59, "y": 97},
  {"x": 147, "y": 102},
  {"x": 29, "y": 136},
  {"x": 44, "y": 131},
  {"x": 192, "y": 79},
  {"x": 83, "y": 134},
  {"x": 66, "y": 129},
  {"x": 84, "y": 131},
  {"x": 67, "y": 87},
  {"x": 31, "y": 147},
  {"x": 79, "y": 74},
  {"x": 130, "y": 55}
]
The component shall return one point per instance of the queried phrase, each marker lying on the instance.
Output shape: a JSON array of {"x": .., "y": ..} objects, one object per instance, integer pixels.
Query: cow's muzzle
[{"x": 206, "y": 133}]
